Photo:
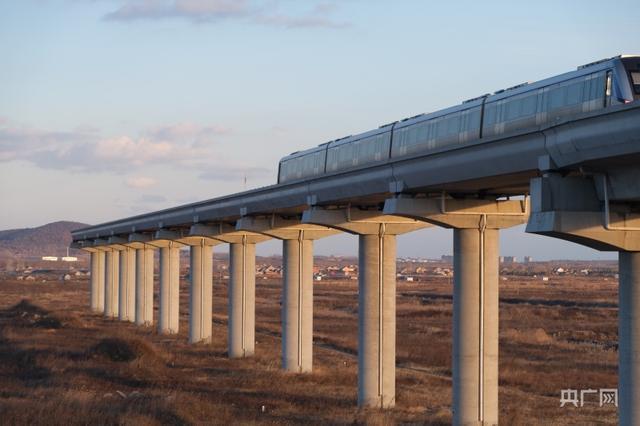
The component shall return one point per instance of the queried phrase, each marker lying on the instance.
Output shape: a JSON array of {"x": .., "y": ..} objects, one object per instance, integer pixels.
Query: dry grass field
[{"x": 60, "y": 364}]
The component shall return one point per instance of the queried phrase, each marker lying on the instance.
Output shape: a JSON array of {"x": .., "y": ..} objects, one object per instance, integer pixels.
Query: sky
[{"x": 110, "y": 108}]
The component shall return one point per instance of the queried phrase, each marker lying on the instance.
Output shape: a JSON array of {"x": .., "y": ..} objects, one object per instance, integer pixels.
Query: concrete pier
[
  {"x": 476, "y": 224},
  {"x": 111, "y": 288},
  {"x": 629, "y": 339},
  {"x": 200, "y": 294},
  {"x": 475, "y": 326},
  {"x": 376, "y": 294},
  {"x": 127, "y": 285},
  {"x": 571, "y": 208},
  {"x": 169, "y": 289},
  {"x": 297, "y": 292},
  {"x": 377, "y": 320},
  {"x": 96, "y": 287},
  {"x": 144, "y": 286},
  {"x": 297, "y": 305},
  {"x": 242, "y": 299}
]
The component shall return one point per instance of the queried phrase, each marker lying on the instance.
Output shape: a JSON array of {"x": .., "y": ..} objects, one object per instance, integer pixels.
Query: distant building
[
  {"x": 348, "y": 270},
  {"x": 528, "y": 259},
  {"x": 508, "y": 260},
  {"x": 50, "y": 258},
  {"x": 447, "y": 258},
  {"x": 444, "y": 272},
  {"x": 69, "y": 259}
]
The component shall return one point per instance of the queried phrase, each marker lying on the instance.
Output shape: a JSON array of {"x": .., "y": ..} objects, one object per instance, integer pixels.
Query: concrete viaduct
[{"x": 576, "y": 180}]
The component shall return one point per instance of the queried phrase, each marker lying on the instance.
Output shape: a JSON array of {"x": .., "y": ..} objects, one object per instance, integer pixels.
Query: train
[{"x": 505, "y": 113}]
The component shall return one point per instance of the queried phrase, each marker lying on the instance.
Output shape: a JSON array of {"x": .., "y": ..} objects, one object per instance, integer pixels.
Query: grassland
[{"x": 60, "y": 364}]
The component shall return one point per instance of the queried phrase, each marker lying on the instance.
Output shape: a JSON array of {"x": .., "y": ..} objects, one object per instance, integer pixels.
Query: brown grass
[{"x": 60, "y": 364}]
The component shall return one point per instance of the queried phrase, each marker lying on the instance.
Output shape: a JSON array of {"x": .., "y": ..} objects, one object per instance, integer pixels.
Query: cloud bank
[
  {"x": 210, "y": 11},
  {"x": 179, "y": 146}
]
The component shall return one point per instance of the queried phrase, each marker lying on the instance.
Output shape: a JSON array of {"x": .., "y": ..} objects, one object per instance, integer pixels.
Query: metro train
[{"x": 518, "y": 109}]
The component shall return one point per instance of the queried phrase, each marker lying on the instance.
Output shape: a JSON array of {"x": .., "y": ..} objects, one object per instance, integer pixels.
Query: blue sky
[{"x": 110, "y": 108}]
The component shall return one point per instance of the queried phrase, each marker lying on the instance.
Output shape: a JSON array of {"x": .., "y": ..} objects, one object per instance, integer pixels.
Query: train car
[
  {"x": 359, "y": 150},
  {"x": 438, "y": 130},
  {"x": 303, "y": 164},
  {"x": 518, "y": 109}
]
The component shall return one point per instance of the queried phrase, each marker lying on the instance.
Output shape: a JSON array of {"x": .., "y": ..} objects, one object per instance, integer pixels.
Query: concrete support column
[
  {"x": 111, "y": 287},
  {"x": 376, "y": 232},
  {"x": 144, "y": 286},
  {"x": 127, "y": 285},
  {"x": 629, "y": 339},
  {"x": 377, "y": 320},
  {"x": 96, "y": 288},
  {"x": 169, "y": 290},
  {"x": 200, "y": 294},
  {"x": 297, "y": 306},
  {"x": 242, "y": 299},
  {"x": 475, "y": 326}
]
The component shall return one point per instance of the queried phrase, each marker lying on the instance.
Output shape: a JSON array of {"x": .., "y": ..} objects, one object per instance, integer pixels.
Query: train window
[
  {"x": 593, "y": 90},
  {"x": 440, "y": 128},
  {"x": 512, "y": 113},
  {"x": 412, "y": 138},
  {"x": 453, "y": 124},
  {"x": 306, "y": 165},
  {"x": 557, "y": 97},
  {"x": 470, "y": 120},
  {"x": 529, "y": 105},
  {"x": 452, "y": 129},
  {"x": 512, "y": 109},
  {"x": 490, "y": 114},
  {"x": 590, "y": 88},
  {"x": 635, "y": 78},
  {"x": 577, "y": 95},
  {"x": 363, "y": 151},
  {"x": 574, "y": 93}
]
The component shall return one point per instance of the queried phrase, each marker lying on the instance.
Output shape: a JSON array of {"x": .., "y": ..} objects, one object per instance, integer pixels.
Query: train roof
[
  {"x": 471, "y": 103},
  {"x": 340, "y": 141},
  {"x": 380, "y": 130}
]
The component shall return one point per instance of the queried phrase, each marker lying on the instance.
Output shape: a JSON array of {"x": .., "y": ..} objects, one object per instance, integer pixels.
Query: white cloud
[
  {"x": 182, "y": 145},
  {"x": 264, "y": 12},
  {"x": 140, "y": 182},
  {"x": 319, "y": 17},
  {"x": 133, "y": 151},
  {"x": 195, "y": 10}
]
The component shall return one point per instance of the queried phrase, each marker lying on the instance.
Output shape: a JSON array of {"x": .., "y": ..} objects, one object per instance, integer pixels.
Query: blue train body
[{"x": 515, "y": 110}]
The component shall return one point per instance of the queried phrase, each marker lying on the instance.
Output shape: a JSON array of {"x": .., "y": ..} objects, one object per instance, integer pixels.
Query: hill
[{"x": 51, "y": 239}]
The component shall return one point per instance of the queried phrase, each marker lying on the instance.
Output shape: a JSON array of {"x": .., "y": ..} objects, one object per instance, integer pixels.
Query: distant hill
[{"x": 51, "y": 239}]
